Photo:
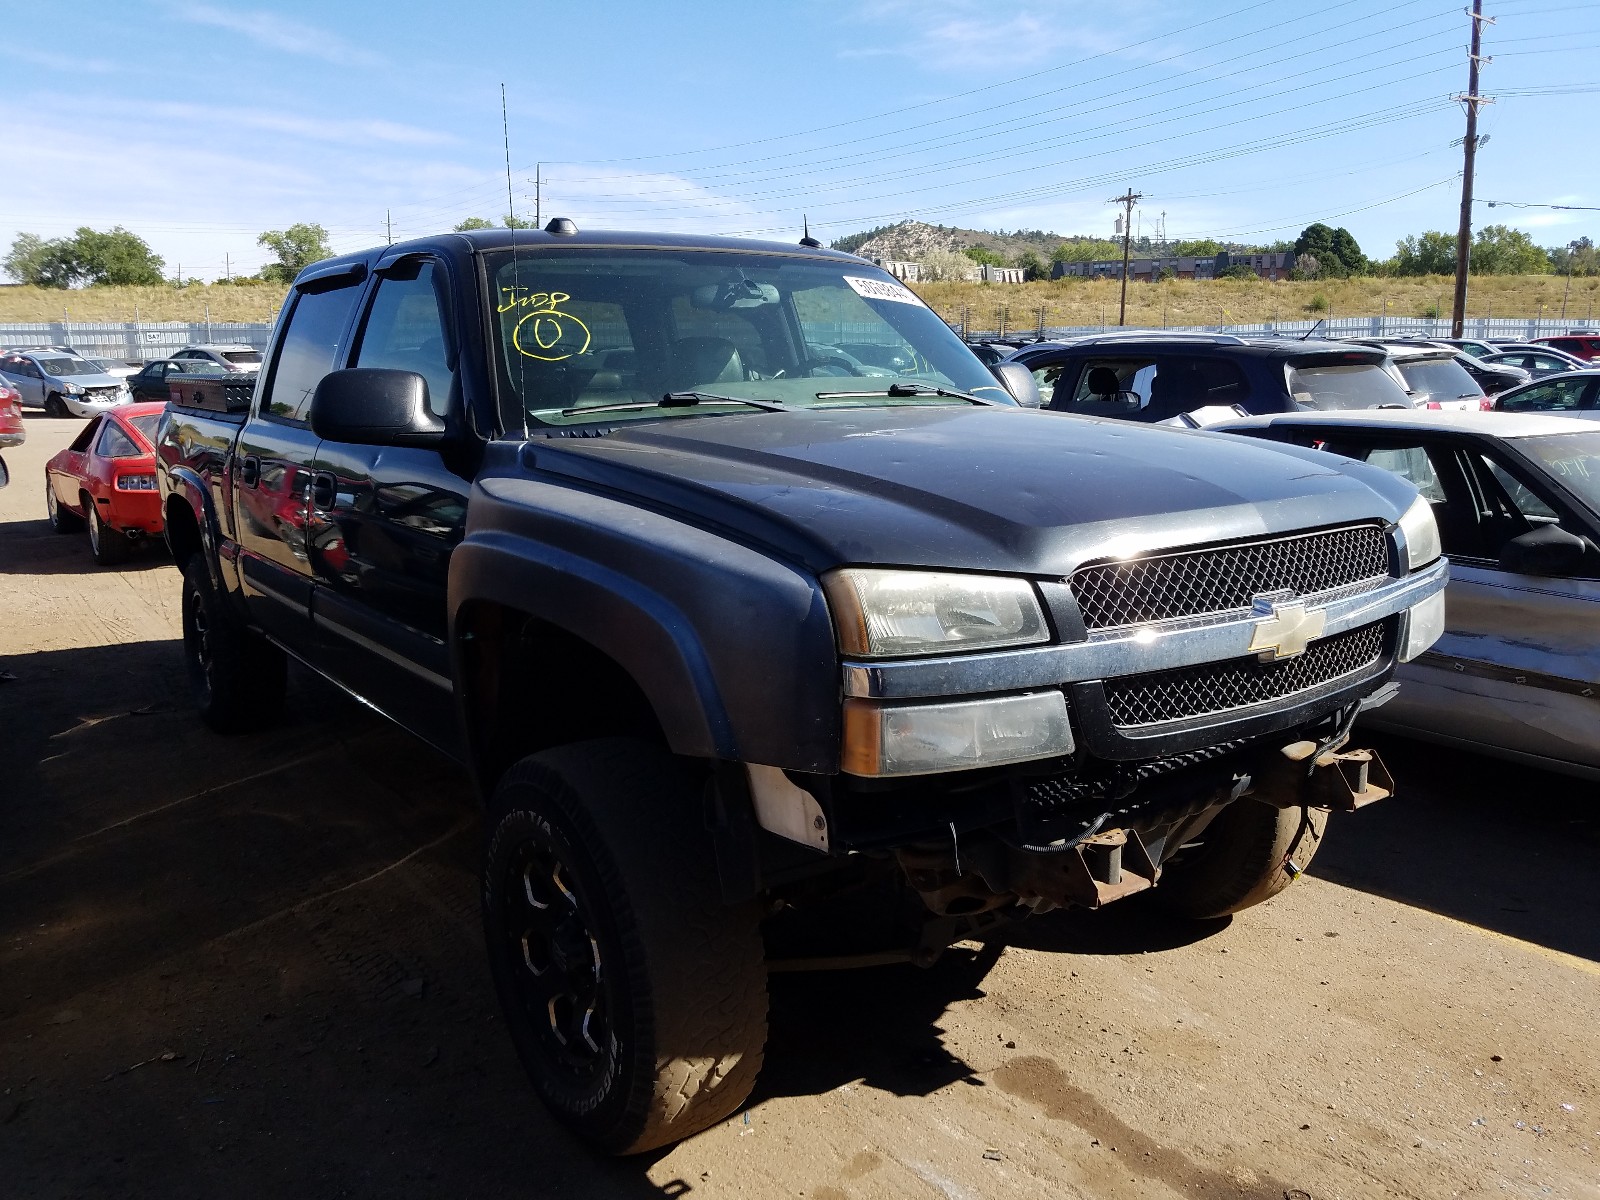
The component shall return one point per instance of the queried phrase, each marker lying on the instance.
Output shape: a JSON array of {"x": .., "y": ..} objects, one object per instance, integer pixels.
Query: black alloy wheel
[
  {"x": 635, "y": 996},
  {"x": 558, "y": 970}
]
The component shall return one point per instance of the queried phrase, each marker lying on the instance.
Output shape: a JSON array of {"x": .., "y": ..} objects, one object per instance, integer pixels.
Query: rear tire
[
  {"x": 1242, "y": 859},
  {"x": 238, "y": 677},
  {"x": 62, "y": 520},
  {"x": 109, "y": 546},
  {"x": 636, "y": 998}
]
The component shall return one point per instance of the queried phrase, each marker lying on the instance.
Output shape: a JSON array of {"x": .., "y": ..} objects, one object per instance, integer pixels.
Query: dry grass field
[
  {"x": 226, "y": 302},
  {"x": 1066, "y": 302},
  {"x": 1233, "y": 301}
]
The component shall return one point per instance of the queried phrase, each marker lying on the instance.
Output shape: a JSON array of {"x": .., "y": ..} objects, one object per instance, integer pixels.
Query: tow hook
[{"x": 1357, "y": 778}]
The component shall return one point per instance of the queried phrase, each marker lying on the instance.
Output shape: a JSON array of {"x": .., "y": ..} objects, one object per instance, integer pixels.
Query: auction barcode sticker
[{"x": 883, "y": 289}]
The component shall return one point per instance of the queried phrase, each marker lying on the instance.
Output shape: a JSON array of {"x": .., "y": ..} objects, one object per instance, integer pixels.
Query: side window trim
[
  {"x": 441, "y": 281},
  {"x": 344, "y": 277}
]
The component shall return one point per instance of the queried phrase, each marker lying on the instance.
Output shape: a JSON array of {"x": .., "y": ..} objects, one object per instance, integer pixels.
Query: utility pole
[
  {"x": 1469, "y": 146},
  {"x": 538, "y": 196},
  {"x": 388, "y": 228},
  {"x": 1128, "y": 200},
  {"x": 227, "y": 268}
]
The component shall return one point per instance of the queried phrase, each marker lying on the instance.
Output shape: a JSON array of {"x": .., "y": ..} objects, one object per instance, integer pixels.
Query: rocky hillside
[{"x": 909, "y": 241}]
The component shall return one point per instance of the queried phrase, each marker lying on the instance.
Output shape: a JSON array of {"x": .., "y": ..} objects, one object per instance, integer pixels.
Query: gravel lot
[{"x": 252, "y": 967}]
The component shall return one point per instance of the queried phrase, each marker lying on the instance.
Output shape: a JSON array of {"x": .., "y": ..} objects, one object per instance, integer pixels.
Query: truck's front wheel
[
  {"x": 237, "y": 676},
  {"x": 636, "y": 998},
  {"x": 1242, "y": 859}
]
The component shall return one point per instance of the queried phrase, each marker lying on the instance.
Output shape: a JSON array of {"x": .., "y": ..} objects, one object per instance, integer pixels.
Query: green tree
[
  {"x": 1344, "y": 247},
  {"x": 472, "y": 223},
  {"x": 296, "y": 248},
  {"x": 1202, "y": 248},
  {"x": 1433, "y": 253},
  {"x": 984, "y": 257},
  {"x": 1501, "y": 250},
  {"x": 1335, "y": 250},
  {"x": 26, "y": 261},
  {"x": 1237, "y": 271},
  {"x": 115, "y": 257},
  {"x": 1033, "y": 267},
  {"x": 1575, "y": 258},
  {"x": 86, "y": 258},
  {"x": 1086, "y": 250}
]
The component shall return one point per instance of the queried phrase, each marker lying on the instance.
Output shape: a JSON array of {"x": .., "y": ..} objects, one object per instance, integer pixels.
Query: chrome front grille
[
  {"x": 1225, "y": 578},
  {"x": 1163, "y": 696}
]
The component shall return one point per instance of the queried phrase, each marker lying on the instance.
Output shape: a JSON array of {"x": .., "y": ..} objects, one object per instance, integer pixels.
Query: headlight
[
  {"x": 72, "y": 389},
  {"x": 922, "y": 739},
  {"x": 1422, "y": 535},
  {"x": 891, "y": 614}
]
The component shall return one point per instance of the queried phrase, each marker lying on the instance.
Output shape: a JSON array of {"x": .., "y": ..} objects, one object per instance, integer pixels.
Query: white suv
[{"x": 230, "y": 357}]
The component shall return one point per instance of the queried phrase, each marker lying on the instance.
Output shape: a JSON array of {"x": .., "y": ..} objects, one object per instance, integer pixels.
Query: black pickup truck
[{"x": 737, "y": 631}]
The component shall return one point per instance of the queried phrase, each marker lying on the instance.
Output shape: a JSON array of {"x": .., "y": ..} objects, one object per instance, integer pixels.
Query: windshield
[
  {"x": 59, "y": 365},
  {"x": 245, "y": 358},
  {"x": 583, "y": 330},
  {"x": 1345, "y": 385},
  {"x": 1438, "y": 379},
  {"x": 1572, "y": 459}
]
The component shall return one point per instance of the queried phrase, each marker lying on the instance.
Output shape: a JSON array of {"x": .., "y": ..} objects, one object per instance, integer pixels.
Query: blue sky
[{"x": 199, "y": 123}]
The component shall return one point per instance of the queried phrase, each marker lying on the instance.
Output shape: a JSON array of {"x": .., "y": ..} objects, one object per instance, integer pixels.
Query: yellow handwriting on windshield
[{"x": 543, "y": 331}]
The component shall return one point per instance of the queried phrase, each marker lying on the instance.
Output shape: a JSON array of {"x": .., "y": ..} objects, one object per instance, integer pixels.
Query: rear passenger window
[
  {"x": 116, "y": 444},
  {"x": 405, "y": 332},
  {"x": 309, "y": 350},
  {"x": 1412, "y": 464},
  {"x": 1558, "y": 395}
]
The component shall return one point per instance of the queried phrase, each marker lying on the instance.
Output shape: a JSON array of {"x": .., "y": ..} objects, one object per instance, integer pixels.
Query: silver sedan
[{"x": 1517, "y": 498}]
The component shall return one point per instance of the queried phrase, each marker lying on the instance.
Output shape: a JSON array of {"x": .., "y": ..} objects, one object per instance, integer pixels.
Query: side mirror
[
  {"x": 1019, "y": 381},
  {"x": 374, "y": 406},
  {"x": 5, "y": 475},
  {"x": 1549, "y": 550}
]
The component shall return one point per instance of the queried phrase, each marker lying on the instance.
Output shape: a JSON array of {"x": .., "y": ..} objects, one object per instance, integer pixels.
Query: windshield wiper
[
  {"x": 902, "y": 390},
  {"x": 679, "y": 400}
]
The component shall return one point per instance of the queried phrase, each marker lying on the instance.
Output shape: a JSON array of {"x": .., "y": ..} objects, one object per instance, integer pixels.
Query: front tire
[
  {"x": 238, "y": 677},
  {"x": 1242, "y": 859},
  {"x": 55, "y": 406},
  {"x": 635, "y": 997}
]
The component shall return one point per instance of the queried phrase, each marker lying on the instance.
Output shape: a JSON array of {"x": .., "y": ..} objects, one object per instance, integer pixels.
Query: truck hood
[{"x": 991, "y": 489}]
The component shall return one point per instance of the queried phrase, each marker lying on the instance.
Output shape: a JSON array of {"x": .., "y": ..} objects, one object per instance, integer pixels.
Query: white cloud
[
  {"x": 970, "y": 34},
  {"x": 18, "y": 50},
  {"x": 277, "y": 33}
]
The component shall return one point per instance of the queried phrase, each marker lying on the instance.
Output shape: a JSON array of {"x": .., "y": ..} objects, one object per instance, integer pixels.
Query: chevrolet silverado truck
[{"x": 733, "y": 631}]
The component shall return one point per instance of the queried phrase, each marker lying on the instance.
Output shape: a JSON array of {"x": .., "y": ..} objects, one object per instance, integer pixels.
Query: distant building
[
  {"x": 1002, "y": 274},
  {"x": 1273, "y": 265},
  {"x": 910, "y": 272}
]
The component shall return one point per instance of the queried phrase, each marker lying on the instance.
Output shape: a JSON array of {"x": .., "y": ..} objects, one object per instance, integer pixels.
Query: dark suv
[{"x": 1157, "y": 376}]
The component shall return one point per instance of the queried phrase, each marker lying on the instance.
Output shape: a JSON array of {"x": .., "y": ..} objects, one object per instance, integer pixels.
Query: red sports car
[
  {"x": 107, "y": 480},
  {"x": 12, "y": 432}
]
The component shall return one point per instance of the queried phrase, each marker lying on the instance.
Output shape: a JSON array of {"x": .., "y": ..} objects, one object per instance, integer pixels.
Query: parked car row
[{"x": 67, "y": 384}]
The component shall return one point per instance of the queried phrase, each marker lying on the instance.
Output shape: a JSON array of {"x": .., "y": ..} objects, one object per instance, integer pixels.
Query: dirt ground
[{"x": 252, "y": 968}]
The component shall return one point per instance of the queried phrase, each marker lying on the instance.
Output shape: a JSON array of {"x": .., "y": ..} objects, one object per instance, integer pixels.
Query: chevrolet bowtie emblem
[{"x": 1285, "y": 628}]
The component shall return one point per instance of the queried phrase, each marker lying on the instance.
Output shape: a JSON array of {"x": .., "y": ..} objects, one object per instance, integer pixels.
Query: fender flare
[
  {"x": 643, "y": 631},
  {"x": 186, "y": 484}
]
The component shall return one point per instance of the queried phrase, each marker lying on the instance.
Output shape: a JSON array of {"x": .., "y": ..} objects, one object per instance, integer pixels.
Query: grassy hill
[
  {"x": 1066, "y": 302},
  {"x": 227, "y": 302},
  {"x": 1232, "y": 301}
]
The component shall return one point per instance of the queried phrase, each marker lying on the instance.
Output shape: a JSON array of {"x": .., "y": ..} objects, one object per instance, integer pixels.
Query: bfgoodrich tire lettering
[
  {"x": 636, "y": 999},
  {"x": 1242, "y": 859}
]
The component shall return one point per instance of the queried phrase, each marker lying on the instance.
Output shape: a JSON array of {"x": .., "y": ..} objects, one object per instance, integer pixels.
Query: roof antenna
[
  {"x": 516, "y": 279},
  {"x": 805, "y": 236},
  {"x": 1313, "y": 329}
]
